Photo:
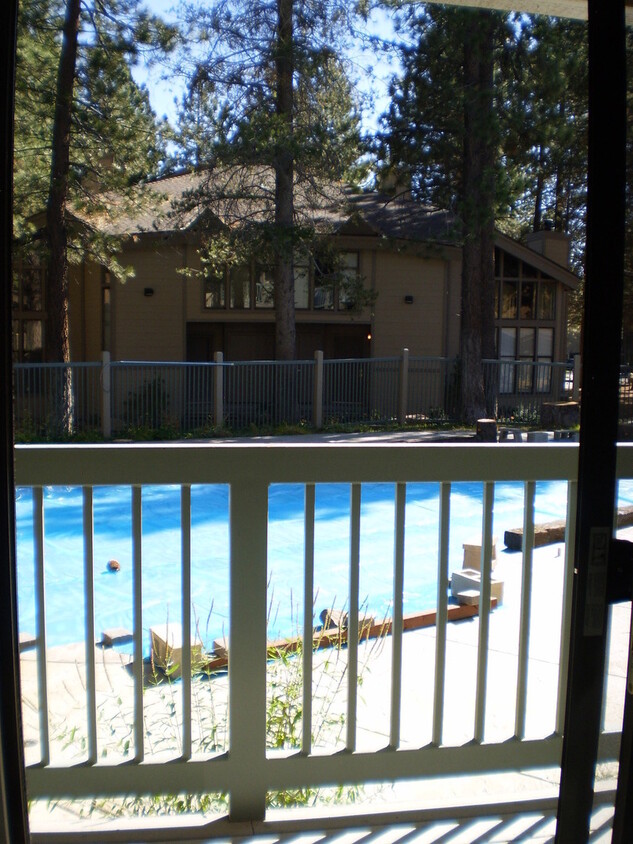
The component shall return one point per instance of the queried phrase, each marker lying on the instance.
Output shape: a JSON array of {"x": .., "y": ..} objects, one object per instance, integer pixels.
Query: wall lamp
[
  {"x": 149, "y": 291},
  {"x": 408, "y": 299}
]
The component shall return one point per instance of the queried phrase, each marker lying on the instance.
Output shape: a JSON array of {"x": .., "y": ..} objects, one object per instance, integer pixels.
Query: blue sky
[{"x": 166, "y": 88}]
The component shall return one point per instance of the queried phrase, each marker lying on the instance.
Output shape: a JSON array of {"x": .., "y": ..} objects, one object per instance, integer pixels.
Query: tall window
[
  {"x": 28, "y": 312},
  {"x": 526, "y": 311}
]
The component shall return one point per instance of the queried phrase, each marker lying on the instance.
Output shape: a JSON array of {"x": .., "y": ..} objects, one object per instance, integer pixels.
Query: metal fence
[
  {"x": 517, "y": 390},
  {"x": 129, "y": 399},
  {"x": 37, "y": 391}
]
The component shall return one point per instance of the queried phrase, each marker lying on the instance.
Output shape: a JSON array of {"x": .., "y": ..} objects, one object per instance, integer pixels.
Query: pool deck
[{"x": 66, "y": 690}]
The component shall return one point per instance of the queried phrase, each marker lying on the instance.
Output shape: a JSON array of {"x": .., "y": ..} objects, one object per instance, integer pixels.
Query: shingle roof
[{"x": 181, "y": 202}]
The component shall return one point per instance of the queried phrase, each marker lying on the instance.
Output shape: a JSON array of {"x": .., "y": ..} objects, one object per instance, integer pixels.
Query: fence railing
[
  {"x": 501, "y": 733},
  {"x": 118, "y": 398}
]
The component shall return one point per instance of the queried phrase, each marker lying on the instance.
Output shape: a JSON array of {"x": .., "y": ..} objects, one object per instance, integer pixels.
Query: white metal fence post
[
  {"x": 218, "y": 390},
  {"x": 317, "y": 397},
  {"x": 106, "y": 396},
  {"x": 403, "y": 387}
]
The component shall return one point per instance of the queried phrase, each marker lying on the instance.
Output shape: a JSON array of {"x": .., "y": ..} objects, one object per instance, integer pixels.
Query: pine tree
[
  {"x": 270, "y": 114},
  {"x": 95, "y": 138},
  {"x": 443, "y": 134}
]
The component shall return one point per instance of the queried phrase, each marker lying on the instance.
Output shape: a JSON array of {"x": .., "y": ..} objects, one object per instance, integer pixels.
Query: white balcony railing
[{"x": 243, "y": 766}]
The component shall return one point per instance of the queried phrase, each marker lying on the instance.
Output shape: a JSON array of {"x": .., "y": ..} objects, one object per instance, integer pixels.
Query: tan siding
[
  {"x": 194, "y": 287},
  {"x": 150, "y": 327},
  {"x": 419, "y": 326},
  {"x": 454, "y": 307},
  {"x": 92, "y": 312}
]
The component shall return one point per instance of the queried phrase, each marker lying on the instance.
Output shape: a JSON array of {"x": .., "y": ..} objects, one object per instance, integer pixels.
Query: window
[
  {"x": 335, "y": 278},
  {"x": 302, "y": 284},
  {"x": 240, "y": 287},
  {"x": 326, "y": 282},
  {"x": 348, "y": 278},
  {"x": 324, "y": 275},
  {"x": 264, "y": 290},
  {"x": 28, "y": 312},
  {"x": 509, "y": 300},
  {"x": 214, "y": 292},
  {"x": 547, "y": 300},
  {"x": 526, "y": 298}
]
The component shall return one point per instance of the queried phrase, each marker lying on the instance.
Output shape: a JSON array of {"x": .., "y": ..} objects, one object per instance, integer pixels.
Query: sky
[{"x": 164, "y": 91}]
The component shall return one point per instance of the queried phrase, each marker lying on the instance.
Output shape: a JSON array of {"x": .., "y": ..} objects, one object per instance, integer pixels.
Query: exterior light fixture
[
  {"x": 408, "y": 299},
  {"x": 148, "y": 291}
]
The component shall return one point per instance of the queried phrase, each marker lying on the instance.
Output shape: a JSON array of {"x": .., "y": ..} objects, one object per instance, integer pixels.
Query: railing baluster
[
  {"x": 352, "y": 625},
  {"x": 526, "y": 604},
  {"x": 568, "y": 586},
  {"x": 484, "y": 611},
  {"x": 397, "y": 620},
  {"x": 442, "y": 613},
  {"x": 185, "y": 529},
  {"x": 308, "y": 617},
  {"x": 247, "y": 646},
  {"x": 88, "y": 525},
  {"x": 40, "y": 608},
  {"x": 137, "y": 601}
]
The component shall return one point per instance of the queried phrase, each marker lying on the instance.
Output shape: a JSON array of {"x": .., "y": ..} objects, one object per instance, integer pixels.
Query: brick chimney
[{"x": 550, "y": 244}]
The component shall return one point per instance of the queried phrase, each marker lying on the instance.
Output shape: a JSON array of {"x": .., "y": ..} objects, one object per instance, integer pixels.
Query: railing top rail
[
  {"x": 72, "y": 365},
  {"x": 194, "y": 463},
  {"x": 361, "y": 360}
]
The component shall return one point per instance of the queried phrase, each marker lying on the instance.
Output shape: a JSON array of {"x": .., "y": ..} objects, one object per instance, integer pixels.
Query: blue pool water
[{"x": 161, "y": 545}]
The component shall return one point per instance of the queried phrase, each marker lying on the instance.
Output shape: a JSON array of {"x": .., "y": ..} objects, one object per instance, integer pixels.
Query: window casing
[
  {"x": 526, "y": 313},
  {"x": 28, "y": 315}
]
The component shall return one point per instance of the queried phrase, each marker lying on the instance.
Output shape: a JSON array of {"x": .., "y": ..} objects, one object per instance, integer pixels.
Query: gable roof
[
  {"x": 179, "y": 203},
  {"x": 535, "y": 259}
]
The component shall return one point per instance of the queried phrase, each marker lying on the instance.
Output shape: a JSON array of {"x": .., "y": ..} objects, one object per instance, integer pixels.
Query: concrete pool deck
[{"x": 66, "y": 691}]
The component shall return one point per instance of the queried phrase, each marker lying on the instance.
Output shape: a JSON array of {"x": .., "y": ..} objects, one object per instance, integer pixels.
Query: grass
[{"x": 162, "y": 715}]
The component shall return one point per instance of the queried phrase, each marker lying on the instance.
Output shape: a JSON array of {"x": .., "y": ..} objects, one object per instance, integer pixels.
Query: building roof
[{"x": 181, "y": 202}]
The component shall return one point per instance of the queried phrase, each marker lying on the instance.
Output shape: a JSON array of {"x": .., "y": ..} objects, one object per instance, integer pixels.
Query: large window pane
[
  {"x": 547, "y": 300},
  {"x": 240, "y": 287},
  {"x": 545, "y": 343},
  {"x": 507, "y": 343},
  {"x": 302, "y": 286},
  {"x": 214, "y": 295},
  {"x": 510, "y": 266},
  {"x": 264, "y": 290},
  {"x": 32, "y": 289},
  {"x": 348, "y": 278},
  {"x": 528, "y": 300},
  {"x": 526, "y": 343},
  {"x": 509, "y": 292},
  {"x": 32, "y": 340}
]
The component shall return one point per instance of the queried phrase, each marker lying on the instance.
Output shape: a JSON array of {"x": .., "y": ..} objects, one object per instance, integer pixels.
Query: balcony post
[
  {"x": 218, "y": 390},
  {"x": 403, "y": 387},
  {"x": 247, "y": 646},
  {"x": 317, "y": 396},
  {"x": 106, "y": 396}
]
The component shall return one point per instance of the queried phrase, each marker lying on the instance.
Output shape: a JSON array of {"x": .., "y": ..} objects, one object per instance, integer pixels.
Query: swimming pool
[{"x": 161, "y": 543}]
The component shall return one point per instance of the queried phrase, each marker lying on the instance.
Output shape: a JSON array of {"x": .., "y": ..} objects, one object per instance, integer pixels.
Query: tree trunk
[
  {"x": 285, "y": 333},
  {"x": 58, "y": 334},
  {"x": 538, "y": 193},
  {"x": 478, "y": 324}
]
